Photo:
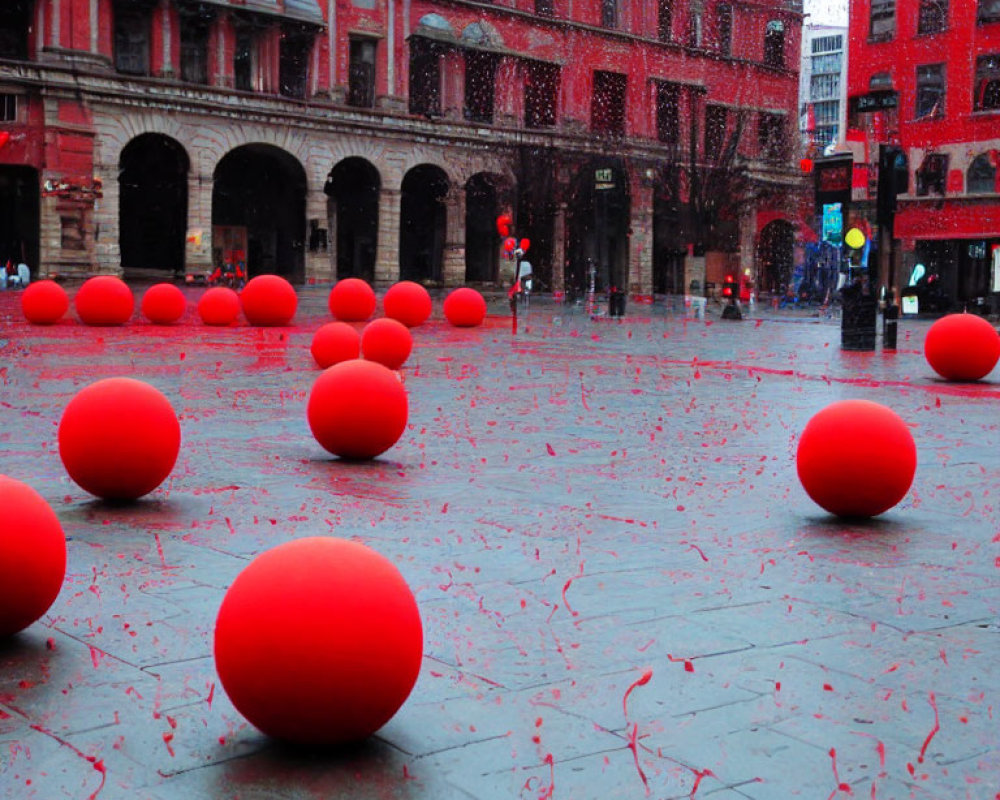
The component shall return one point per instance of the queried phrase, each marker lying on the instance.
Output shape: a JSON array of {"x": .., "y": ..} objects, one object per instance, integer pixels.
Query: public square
[{"x": 624, "y": 589}]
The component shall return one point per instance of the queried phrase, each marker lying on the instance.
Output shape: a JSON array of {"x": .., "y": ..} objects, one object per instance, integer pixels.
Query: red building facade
[
  {"x": 924, "y": 100},
  {"x": 644, "y": 144}
]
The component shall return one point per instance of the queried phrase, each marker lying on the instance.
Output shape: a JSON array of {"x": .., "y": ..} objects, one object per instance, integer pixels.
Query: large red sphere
[
  {"x": 335, "y": 342},
  {"x": 163, "y": 304},
  {"x": 465, "y": 308},
  {"x": 119, "y": 438},
  {"x": 44, "y": 302},
  {"x": 386, "y": 341},
  {"x": 269, "y": 300},
  {"x": 104, "y": 300},
  {"x": 220, "y": 305},
  {"x": 856, "y": 458},
  {"x": 318, "y": 641},
  {"x": 357, "y": 409},
  {"x": 407, "y": 302},
  {"x": 352, "y": 300},
  {"x": 962, "y": 347},
  {"x": 32, "y": 553}
]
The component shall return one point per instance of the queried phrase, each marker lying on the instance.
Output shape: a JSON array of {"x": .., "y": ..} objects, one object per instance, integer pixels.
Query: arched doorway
[
  {"x": 597, "y": 223},
  {"x": 482, "y": 242},
  {"x": 19, "y": 229},
  {"x": 258, "y": 211},
  {"x": 669, "y": 247},
  {"x": 353, "y": 187},
  {"x": 152, "y": 204},
  {"x": 422, "y": 224},
  {"x": 775, "y": 248}
]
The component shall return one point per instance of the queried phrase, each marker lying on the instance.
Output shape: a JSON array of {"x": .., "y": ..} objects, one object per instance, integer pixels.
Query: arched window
[
  {"x": 981, "y": 177},
  {"x": 774, "y": 44}
]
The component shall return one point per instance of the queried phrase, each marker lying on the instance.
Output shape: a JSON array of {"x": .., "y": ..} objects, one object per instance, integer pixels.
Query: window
[
  {"x": 194, "y": 47},
  {"x": 694, "y": 29},
  {"x": 988, "y": 11},
  {"x": 771, "y": 137},
  {"x": 480, "y": 80},
  {"x": 981, "y": 177},
  {"x": 664, "y": 20},
  {"x": 987, "y": 85},
  {"x": 724, "y": 28},
  {"x": 829, "y": 63},
  {"x": 715, "y": 129},
  {"x": 824, "y": 87},
  {"x": 293, "y": 62},
  {"x": 15, "y": 27},
  {"x": 361, "y": 73},
  {"x": 774, "y": 44},
  {"x": 607, "y": 112},
  {"x": 244, "y": 59},
  {"x": 930, "y": 91},
  {"x": 932, "y": 16},
  {"x": 544, "y": 7},
  {"x": 880, "y": 81},
  {"x": 132, "y": 34},
  {"x": 541, "y": 95},
  {"x": 824, "y": 44},
  {"x": 8, "y": 108},
  {"x": 425, "y": 78},
  {"x": 668, "y": 113},
  {"x": 882, "y": 22},
  {"x": 609, "y": 13},
  {"x": 931, "y": 174}
]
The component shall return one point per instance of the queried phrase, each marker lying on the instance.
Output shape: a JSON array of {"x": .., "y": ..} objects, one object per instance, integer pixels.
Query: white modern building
[{"x": 823, "y": 86}]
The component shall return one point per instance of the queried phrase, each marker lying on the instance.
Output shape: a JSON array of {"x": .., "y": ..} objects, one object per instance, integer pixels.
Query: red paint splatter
[
  {"x": 548, "y": 447},
  {"x": 699, "y": 776},
  {"x": 937, "y": 726},
  {"x": 633, "y": 745},
  {"x": 642, "y": 680}
]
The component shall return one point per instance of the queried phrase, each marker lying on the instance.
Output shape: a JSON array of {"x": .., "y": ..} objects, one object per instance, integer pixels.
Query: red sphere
[
  {"x": 386, "y": 341},
  {"x": 269, "y": 300},
  {"x": 335, "y": 342},
  {"x": 44, "y": 302},
  {"x": 119, "y": 438},
  {"x": 220, "y": 305},
  {"x": 319, "y": 641},
  {"x": 962, "y": 347},
  {"x": 465, "y": 308},
  {"x": 163, "y": 304},
  {"x": 357, "y": 409},
  {"x": 856, "y": 458},
  {"x": 352, "y": 300},
  {"x": 104, "y": 300},
  {"x": 407, "y": 302},
  {"x": 33, "y": 550}
]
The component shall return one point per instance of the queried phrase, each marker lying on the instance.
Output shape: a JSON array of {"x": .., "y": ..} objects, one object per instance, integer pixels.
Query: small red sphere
[
  {"x": 163, "y": 304},
  {"x": 465, "y": 308},
  {"x": 357, "y": 409},
  {"x": 44, "y": 302},
  {"x": 335, "y": 342},
  {"x": 119, "y": 438},
  {"x": 104, "y": 300},
  {"x": 386, "y": 341},
  {"x": 856, "y": 458},
  {"x": 407, "y": 302},
  {"x": 962, "y": 347},
  {"x": 269, "y": 300},
  {"x": 352, "y": 300},
  {"x": 318, "y": 641},
  {"x": 33, "y": 549},
  {"x": 220, "y": 305}
]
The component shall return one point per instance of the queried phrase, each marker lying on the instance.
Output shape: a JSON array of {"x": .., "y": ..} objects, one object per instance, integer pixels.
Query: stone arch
[
  {"x": 775, "y": 255},
  {"x": 423, "y": 223},
  {"x": 352, "y": 188}
]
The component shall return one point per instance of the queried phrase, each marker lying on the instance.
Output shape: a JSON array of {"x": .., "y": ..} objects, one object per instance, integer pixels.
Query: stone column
[
  {"x": 319, "y": 265},
  {"x": 559, "y": 249},
  {"x": 107, "y": 246},
  {"x": 453, "y": 266},
  {"x": 387, "y": 253},
  {"x": 198, "y": 238},
  {"x": 640, "y": 256}
]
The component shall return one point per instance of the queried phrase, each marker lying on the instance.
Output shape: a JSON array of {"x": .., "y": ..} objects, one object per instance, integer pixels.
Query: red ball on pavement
[
  {"x": 33, "y": 552},
  {"x": 318, "y": 641},
  {"x": 269, "y": 300},
  {"x": 357, "y": 409},
  {"x": 352, "y": 300},
  {"x": 104, "y": 300},
  {"x": 465, "y": 308},
  {"x": 386, "y": 341},
  {"x": 119, "y": 438},
  {"x": 220, "y": 305},
  {"x": 163, "y": 304},
  {"x": 44, "y": 302},
  {"x": 407, "y": 302},
  {"x": 335, "y": 342},
  {"x": 856, "y": 458},
  {"x": 962, "y": 347}
]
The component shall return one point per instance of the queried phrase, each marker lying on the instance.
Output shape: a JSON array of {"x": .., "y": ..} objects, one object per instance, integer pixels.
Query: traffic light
[{"x": 729, "y": 287}]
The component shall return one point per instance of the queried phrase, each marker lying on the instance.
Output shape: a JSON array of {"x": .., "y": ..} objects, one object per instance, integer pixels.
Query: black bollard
[{"x": 890, "y": 325}]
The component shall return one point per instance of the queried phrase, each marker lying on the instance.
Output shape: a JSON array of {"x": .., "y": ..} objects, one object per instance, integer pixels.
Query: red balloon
[
  {"x": 509, "y": 244},
  {"x": 352, "y": 300},
  {"x": 465, "y": 308},
  {"x": 335, "y": 342},
  {"x": 357, "y": 409},
  {"x": 525, "y": 244},
  {"x": 318, "y": 641},
  {"x": 104, "y": 300},
  {"x": 407, "y": 302},
  {"x": 119, "y": 438},
  {"x": 269, "y": 300},
  {"x": 856, "y": 458},
  {"x": 806, "y": 165},
  {"x": 504, "y": 222},
  {"x": 163, "y": 304},
  {"x": 33, "y": 550},
  {"x": 962, "y": 347},
  {"x": 386, "y": 341},
  {"x": 220, "y": 305},
  {"x": 44, "y": 302}
]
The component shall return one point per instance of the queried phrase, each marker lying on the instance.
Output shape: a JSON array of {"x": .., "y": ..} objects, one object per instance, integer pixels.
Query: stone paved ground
[{"x": 573, "y": 506}]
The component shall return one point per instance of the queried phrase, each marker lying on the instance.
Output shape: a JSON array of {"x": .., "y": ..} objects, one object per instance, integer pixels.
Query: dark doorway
[
  {"x": 152, "y": 203},
  {"x": 262, "y": 189},
  {"x": 353, "y": 187},
  {"x": 774, "y": 257},
  {"x": 15, "y": 28},
  {"x": 668, "y": 247},
  {"x": 422, "y": 225},
  {"x": 19, "y": 216},
  {"x": 597, "y": 222},
  {"x": 482, "y": 242}
]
